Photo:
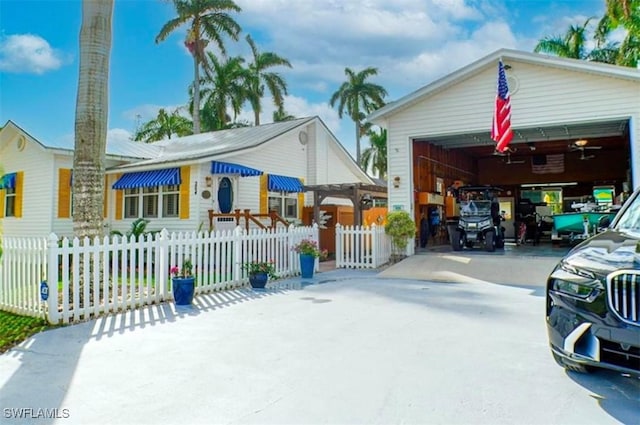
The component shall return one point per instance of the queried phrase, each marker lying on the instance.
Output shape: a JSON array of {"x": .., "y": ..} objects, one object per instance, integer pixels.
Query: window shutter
[
  {"x": 119, "y": 193},
  {"x": 301, "y": 202},
  {"x": 19, "y": 190},
  {"x": 185, "y": 177},
  {"x": 105, "y": 208},
  {"x": 264, "y": 194},
  {"x": 2, "y": 191},
  {"x": 64, "y": 193}
]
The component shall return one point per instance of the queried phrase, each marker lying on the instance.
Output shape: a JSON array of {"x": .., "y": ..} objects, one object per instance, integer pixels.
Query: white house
[
  {"x": 175, "y": 183},
  {"x": 441, "y": 132}
]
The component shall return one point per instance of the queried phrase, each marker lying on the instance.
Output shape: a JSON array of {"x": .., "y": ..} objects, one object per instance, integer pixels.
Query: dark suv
[{"x": 593, "y": 299}]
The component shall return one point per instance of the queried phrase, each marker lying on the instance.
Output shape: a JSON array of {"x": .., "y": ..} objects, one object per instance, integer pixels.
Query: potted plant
[
  {"x": 401, "y": 228},
  {"x": 259, "y": 273},
  {"x": 309, "y": 251},
  {"x": 183, "y": 283}
]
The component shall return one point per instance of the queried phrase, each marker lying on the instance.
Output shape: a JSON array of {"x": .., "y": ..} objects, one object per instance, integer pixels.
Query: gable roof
[
  {"x": 115, "y": 148},
  {"x": 491, "y": 60}
]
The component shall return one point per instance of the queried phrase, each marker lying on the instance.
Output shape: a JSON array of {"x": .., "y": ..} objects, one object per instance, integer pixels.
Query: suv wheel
[
  {"x": 571, "y": 365},
  {"x": 456, "y": 242},
  {"x": 488, "y": 241}
]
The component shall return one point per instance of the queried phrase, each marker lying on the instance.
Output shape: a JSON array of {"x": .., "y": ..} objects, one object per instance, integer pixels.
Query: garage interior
[{"x": 568, "y": 159}]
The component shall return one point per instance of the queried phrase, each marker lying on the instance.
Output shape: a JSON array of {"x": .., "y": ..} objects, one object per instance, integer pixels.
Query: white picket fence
[
  {"x": 362, "y": 246},
  {"x": 124, "y": 273}
]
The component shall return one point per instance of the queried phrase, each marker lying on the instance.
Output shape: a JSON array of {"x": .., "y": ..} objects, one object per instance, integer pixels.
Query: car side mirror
[{"x": 604, "y": 222}]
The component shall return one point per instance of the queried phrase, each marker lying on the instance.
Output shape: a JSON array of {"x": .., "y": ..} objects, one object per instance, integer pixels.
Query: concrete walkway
[{"x": 345, "y": 347}]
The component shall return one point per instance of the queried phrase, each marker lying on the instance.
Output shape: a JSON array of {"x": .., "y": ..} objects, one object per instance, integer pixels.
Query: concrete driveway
[{"x": 349, "y": 348}]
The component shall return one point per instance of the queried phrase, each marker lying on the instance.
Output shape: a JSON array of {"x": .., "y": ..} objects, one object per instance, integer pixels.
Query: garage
[{"x": 575, "y": 135}]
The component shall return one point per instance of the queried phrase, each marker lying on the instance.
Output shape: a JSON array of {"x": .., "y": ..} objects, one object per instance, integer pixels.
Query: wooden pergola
[{"x": 360, "y": 195}]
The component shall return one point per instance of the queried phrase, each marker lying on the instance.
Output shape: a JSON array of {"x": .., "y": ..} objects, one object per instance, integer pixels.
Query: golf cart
[{"x": 476, "y": 218}]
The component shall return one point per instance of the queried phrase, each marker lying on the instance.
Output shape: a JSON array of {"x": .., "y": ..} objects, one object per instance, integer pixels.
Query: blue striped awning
[
  {"x": 8, "y": 181},
  {"x": 219, "y": 167},
  {"x": 278, "y": 183},
  {"x": 168, "y": 176}
]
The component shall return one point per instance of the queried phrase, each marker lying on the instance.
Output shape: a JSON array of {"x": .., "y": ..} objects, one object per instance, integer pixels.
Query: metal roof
[{"x": 207, "y": 145}]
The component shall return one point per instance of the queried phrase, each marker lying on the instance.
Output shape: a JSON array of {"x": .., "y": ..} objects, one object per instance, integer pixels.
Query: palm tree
[
  {"x": 626, "y": 14},
  {"x": 571, "y": 45},
  {"x": 208, "y": 18},
  {"x": 376, "y": 154},
  {"x": 92, "y": 104},
  {"x": 357, "y": 97},
  {"x": 225, "y": 87},
  {"x": 281, "y": 115},
  {"x": 259, "y": 78},
  {"x": 164, "y": 126}
]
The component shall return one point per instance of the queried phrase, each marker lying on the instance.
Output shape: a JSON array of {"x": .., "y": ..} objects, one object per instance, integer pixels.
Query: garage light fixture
[
  {"x": 548, "y": 184},
  {"x": 581, "y": 142}
]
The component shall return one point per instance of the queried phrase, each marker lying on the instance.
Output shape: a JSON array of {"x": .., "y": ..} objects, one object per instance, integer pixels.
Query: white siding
[{"x": 37, "y": 208}]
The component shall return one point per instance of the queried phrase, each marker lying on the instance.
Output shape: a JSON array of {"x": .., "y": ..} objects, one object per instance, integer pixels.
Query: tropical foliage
[
  {"x": 224, "y": 88},
  {"x": 204, "y": 18},
  {"x": 164, "y": 126},
  {"x": 620, "y": 14},
  {"x": 281, "y": 115},
  {"x": 258, "y": 78},
  {"x": 357, "y": 97},
  {"x": 375, "y": 156}
]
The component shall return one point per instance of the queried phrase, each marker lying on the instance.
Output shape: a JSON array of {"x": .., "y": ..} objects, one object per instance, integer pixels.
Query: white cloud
[
  {"x": 118, "y": 135},
  {"x": 28, "y": 53}
]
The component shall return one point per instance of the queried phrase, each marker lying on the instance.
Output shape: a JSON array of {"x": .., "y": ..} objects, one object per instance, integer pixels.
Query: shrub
[{"x": 401, "y": 228}]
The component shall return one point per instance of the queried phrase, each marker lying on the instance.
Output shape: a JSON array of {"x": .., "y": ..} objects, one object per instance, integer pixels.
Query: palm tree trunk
[
  {"x": 358, "y": 143},
  {"x": 196, "y": 92},
  {"x": 92, "y": 105}
]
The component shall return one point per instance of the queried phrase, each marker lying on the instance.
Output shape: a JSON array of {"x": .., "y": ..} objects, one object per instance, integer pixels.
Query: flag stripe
[
  {"x": 501, "y": 127},
  {"x": 550, "y": 164}
]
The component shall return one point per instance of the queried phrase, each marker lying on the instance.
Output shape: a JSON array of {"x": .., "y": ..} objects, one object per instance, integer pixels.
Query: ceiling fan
[
  {"x": 509, "y": 150},
  {"x": 581, "y": 145},
  {"x": 508, "y": 160}
]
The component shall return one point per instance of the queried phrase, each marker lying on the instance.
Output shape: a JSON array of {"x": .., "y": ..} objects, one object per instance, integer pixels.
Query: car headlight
[{"x": 574, "y": 282}]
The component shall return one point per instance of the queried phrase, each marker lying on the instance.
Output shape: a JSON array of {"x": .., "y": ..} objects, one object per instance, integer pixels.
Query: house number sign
[{"x": 44, "y": 291}]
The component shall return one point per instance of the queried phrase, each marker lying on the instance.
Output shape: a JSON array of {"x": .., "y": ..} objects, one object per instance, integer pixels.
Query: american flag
[
  {"x": 547, "y": 164},
  {"x": 501, "y": 128}
]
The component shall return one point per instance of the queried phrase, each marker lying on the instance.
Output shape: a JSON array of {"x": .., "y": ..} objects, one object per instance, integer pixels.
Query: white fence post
[
  {"x": 237, "y": 254},
  {"x": 53, "y": 316},
  {"x": 162, "y": 268},
  {"x": 339, "y": 246},
  {"x": 374, "y": 245}
]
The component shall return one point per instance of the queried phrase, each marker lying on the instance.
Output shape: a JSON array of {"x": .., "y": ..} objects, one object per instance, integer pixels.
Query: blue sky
[{"x": 411, "y": 42}]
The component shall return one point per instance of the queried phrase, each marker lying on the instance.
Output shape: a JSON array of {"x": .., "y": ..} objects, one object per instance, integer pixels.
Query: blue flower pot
[
  {"x": 307, "y": 263},
  {"x": 183, "y": 289},
  {"x": 258, "y": 280}
]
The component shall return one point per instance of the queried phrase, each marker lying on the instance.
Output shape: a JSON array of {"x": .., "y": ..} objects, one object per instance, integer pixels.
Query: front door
[
  {"x": 507, "y": 209},
  {"x": 225, "y": 195}
]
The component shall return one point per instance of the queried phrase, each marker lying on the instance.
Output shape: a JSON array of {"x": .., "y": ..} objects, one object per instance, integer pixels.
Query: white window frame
[
  {"x": 282, "y": 198},
  {"x": 10, "y": 197},
  {"x": 156, "y": 195}
]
